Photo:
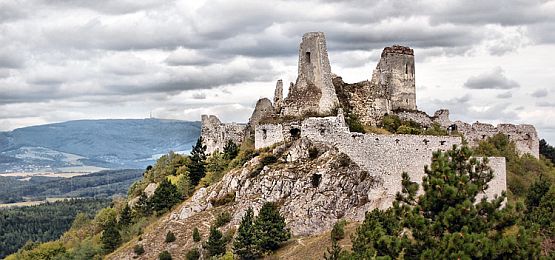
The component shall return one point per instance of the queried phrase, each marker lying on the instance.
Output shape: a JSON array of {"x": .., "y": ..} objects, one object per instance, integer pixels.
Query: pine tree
[
  {"x": 446, "y": 221},
  {"x": 231, "y": 150},
  {"x": 196, "y": 235},
  {"x": 334, "y": 252},
  {"x": 110, "y": 237},
  {"x": 197, "y": 168},
  {"x": 125, "y": 218},
  {"x": 244, "y": 245},
  {"x": 142, "y": 207},
  {"x": 269, "y": 226},
  {"x": 215, "y": 245},
  {"x": 165, "y": 196},
  {"x": 184, "y": 186},
  {"x": 170, "y": 237}
]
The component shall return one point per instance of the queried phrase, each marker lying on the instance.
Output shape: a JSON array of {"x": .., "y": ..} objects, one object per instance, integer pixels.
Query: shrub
[
  {"x": 313, "y": 153},
  {"x": 192, "y": 254},
  {"x": 338, "y": 230},
  {"x": 228, "y": 198},
  {"x": 196, "y": 235},
  {"x": 139, "y": 249},
  {"x": 222, "y": 219},
  {"x": 354, "y": 123},
  {"x": 170, "y": 237},
  {"x": 165, "y": 255}
]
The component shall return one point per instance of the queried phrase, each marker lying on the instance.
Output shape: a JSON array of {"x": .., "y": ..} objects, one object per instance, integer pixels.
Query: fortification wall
[
  {"x": 386, "y": 157},
  {"x": 216, "y": 134},
  {"x": 441, "y": 117},
  {"x": 525, "y": 137},
  {"x": 266, "y": 135}
]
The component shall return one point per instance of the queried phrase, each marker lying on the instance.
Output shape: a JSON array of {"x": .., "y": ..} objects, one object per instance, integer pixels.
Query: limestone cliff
[{"x": 314, "y": 183}]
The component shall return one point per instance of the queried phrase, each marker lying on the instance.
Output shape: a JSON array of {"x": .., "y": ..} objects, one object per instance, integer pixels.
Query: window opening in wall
[
  {"x": 307, "y": 54},
  {"x": 426, "y": 141},
  {"x": 483, "y": 136},
  {"x": 442, "y": 142},
  {"x": 406, "y": 69},
  {"x": 322, "y": 131},
  {"x": 397, "y": 141},
  {"x": 295, "y": 133},
  {"x": 264, "y": 133}
]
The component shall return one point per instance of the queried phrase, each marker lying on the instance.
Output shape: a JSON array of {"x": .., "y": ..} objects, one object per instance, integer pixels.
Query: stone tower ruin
[
  {"x": 395, "y": 76},
  {"x": 313, "y": 92}
]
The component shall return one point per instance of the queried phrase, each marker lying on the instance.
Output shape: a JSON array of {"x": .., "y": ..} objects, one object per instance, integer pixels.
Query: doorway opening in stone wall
[{"x": 295, "y": 133}]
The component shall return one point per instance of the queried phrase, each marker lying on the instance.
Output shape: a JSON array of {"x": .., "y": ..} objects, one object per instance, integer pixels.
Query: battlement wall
[
  {"x": 216, "y": 134},
  {"x": 525, "y": 137}
]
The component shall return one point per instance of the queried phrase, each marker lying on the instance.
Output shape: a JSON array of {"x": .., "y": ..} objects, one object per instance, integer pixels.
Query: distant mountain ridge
[{"x": 90, "y": 145}]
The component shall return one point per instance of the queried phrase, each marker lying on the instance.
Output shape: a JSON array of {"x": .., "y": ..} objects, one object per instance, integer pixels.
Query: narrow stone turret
[
  {"x": 278, "y": 95},
  {"x": 313, "y": 92}
]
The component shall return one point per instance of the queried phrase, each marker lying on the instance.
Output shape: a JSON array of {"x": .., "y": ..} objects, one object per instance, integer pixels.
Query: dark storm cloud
[{"x": 494, "y": 79}]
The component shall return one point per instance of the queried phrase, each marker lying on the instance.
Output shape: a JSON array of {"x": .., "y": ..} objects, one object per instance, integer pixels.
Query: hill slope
[{"x": 89, "y": 145}]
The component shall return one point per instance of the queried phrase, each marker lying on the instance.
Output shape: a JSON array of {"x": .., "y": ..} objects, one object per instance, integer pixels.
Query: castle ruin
[{"x": 316, "y": 105}]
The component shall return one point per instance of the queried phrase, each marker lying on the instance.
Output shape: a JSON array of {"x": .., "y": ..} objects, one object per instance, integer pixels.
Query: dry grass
[{"x": 313, "y": 247}]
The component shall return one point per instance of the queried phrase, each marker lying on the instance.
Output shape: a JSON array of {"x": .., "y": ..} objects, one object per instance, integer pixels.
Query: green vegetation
[
  {"x": 170, "y": 237},
  {"x": 139, "y": 249},
  {"x": 353, "y": 122},
  {"x": 231, "y": 150},
  {"x": 164, "y": 255},
  {"x": 522, "y": 171},
  {"x": 394, "y": 124},
  {"x": 262, "y": 234},
  {"x": 222, "y": 219},
  {"x": 165, "y": 196},
  {"x": 446, "y": 221},
  {"x": 102, "y": 184},
  {"x": 547, "y": 150},
  {"x": 192, "y": 254},
  {"x": 337, "y": 233},
  {"x": 197, "y": 168},
  {"x": 111, "y": 237},
  {"x": 42, "y": 223},
  {"x": 215, "y": 245},
  {"x": 196, "y": 235}
]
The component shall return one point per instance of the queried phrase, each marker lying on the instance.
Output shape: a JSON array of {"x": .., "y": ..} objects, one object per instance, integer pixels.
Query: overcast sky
[{"x": 487, "y": 61}]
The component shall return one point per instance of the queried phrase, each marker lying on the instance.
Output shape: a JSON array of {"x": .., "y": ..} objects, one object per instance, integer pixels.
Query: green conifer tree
[
  {"x": 125, "y": 218},
  {"x": 215, "y": 245},
  {"x": 446, "y": 221},
  {"x": 196, "y": 235},
  {"x": 269, "y": 226},
  {"x": 110, "y": 237},
  {"x": 231, "y": 150},
  {"x": 165, "y": 196},
  {"x": 245, "y": 246},
  {"x": 197, "y": 168}
]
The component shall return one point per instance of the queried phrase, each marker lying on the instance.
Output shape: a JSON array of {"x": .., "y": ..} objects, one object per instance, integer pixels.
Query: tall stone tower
[
  {"x": 395, "y": 76},
  {"x": 313, "y": 92}
]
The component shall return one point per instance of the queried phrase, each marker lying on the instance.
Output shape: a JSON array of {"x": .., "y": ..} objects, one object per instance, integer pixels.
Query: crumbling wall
[
  {"x": 216, "y": 134},
  {"x": 262, "y": 109},
  {"x": 525, "y": 137},
  {"x": 441, "y": 117},
  {"x": 386, "y": 157},
  {"x": 313, "y": 92},
  {"x": 266, "y": 135}
]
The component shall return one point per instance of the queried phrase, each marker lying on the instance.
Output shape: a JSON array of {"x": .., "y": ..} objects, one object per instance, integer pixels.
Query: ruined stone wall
[
  {"x": 313, "y": 92},
  {"x": 525, "y": 137},
  {"x": 216, "y": 134},
  {"x": 266, "y": 135},
  {"x": 441, "y": 117},
  {"x": 386, "y": 157}
]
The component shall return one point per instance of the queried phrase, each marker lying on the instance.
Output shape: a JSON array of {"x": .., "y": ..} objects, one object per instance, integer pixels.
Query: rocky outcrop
[{"x": 315, "y": 188}]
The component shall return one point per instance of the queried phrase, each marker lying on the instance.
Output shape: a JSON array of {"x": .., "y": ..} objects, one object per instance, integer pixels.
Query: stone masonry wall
[
  {"x": 266, "y": 135},
  {"x": 387, "y": 156},
  {"x": 525, "y": 137},
  {"x": 216, "y": 134}
]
